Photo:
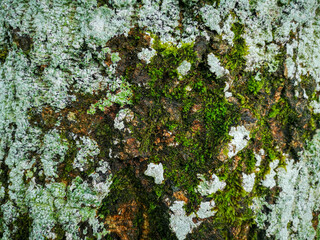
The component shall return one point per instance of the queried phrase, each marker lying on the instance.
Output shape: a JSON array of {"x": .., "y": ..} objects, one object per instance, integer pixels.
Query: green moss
[
  {"x": 66, "y": 167},
  {"x": 22, "y": 41},
  {"x": 254, "y": 86},
  {"x": 218, "y": 118},
  {"x": 172, "y": 54},
  {"x": 23, "y": 224},
  {"x": 197, "y": 133},
  {"x": 232, "y": 205},
  {"x": 60, "y": 232},
  {"x": 216, "y": 3},
  {"x": 235, "y": 58},
  {"x": 285, "y": 114},
  {"x": 101, "y": 3},
  {"x": 309, "y": 85},
  {"x": 126, "y": 189},
  {"x": 199, "y": 118},
  {"x": 3, "y": 54},
  {"x": 247, "y": 156},
  {"x": 123, "y": 190},
  {"x": 253, "y": 2},
  {"x": 268, "y": 143},
  {"x": 271, "y": 153}
]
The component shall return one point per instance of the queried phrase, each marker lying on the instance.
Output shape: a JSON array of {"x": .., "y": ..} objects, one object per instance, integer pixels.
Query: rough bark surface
[{"x": 159, "y": 119}]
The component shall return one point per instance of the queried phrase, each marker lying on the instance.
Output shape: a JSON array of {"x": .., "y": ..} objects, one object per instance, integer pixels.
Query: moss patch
[
  {"x": 183, "y": 122},
  {"x": 140, "y": 205},
  {"x": 3, "y": 54},
  {"x": 23, "y": 224}
]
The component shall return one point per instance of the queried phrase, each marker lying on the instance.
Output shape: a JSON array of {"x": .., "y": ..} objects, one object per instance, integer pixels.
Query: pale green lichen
[
  {"x": 147, "y": 54},
  {"x": 258, "y": 157},
  {"x": 105, "y": 23},
  {"x": 87, "y": 150},
  {"x": 160, "y": 17},
  {"x": 316, "y": 106},
  {"x": 122, "y": 97},
  {"x": 53, "y": 147},
  {"x": 184, "y": 68},
  {"x": 209, "y": 187},
  {"x": 215, "y": 66},
  {"x": 211, "y": 18},
  {"x": 290, "y": 217},
  {"x": 269, "y": 180},
  {"x": 121, "y": 116},
  {"x": 227, "y": 94},
  {"x": 206, "y": 209},
  {"x": 32, "y": 154},
  {"x": 182, "y": 224}
]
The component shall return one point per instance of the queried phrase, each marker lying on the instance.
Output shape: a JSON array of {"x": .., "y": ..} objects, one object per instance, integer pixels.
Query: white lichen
[
  {"x": 269, "y": 180},
  {"x": 226, "y": 30},
  {"x": 290, "y": 68},
  {"x": 315, "y": 106},
  {"x": 248, "y": 181},
  {"x": 226, "y": 93},
  {"x": 209, "y": 187},
  {"x": 206, "y": 209},
  {"x": 88, "y": 149},
  {"x": 241, "y": 136},
  {"x": 258, "y": 157},
  {"x": 155, "y": 171},
  {"x": 180, "y": 223},
  {"x": 147, "y": 54},
  {"x": 121, "y": 115},
  {"x": 53, "y": 152},
  {"x": 184, "y": 68},
  {"x": 291, "y": 216},
  {"x": 211, "y": 17},
  {"x": 161, "y": 17},
  {"x": 215, "y": 66}
]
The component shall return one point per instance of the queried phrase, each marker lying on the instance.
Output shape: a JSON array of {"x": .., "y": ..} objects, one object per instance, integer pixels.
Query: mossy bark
[{"x": 112, "y": 86}]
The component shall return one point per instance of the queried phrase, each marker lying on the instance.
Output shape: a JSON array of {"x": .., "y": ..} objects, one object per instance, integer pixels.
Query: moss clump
[
  {"x": 249, "y": 160},
  {"x": 3, "y": 54},
  {"x": 123, "y": 189},
  {"x": 283, "y": 113},
  {"x": 163, "y": 67},
  {"x": 232, "y": 205},
  {"x": 235, "y": 58},
  {"x": 23, "y": 224},
  {"x": 308, "y": 84},
  {"x": 66, "y": 171},
  {"x": 216, "y": 3},
  {"x": 254, "y": 86},
  {"x": 185, "y": 120},
  {"x": 59, "y": 231},
  {"x": 22, "y": 41},
  {"x": 146, "y": 207}
]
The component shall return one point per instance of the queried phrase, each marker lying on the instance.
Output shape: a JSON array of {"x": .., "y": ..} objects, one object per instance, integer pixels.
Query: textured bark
[{"x": 190, "y": 119}]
